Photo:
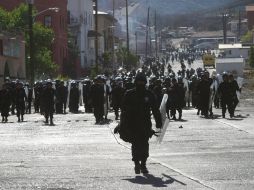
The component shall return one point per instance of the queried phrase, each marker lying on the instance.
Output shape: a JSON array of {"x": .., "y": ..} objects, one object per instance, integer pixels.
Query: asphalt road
[{"x": 76, "y": 154}]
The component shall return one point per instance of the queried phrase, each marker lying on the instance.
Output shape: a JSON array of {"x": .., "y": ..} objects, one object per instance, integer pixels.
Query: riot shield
[
  {"x": 165, "y": 120},
  {"x": 163, "y": 131}
]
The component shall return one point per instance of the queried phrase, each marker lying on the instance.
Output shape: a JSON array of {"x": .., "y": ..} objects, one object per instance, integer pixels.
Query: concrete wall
[
  {"x": 230, "y": 65},
  {"x": 236, "y": 53}
]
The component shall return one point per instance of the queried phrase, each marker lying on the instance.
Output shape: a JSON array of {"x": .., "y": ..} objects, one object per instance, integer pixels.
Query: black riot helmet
[{"x": 140, "y": 77}]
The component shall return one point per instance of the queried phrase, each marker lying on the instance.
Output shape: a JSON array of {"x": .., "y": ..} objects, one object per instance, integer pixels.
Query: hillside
[{"x": 176, "y": 6}]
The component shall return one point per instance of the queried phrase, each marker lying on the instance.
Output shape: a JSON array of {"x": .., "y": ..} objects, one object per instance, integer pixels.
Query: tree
[
  {"x": 128, "y": 59},
  {"x": 107, "y": 58},
  {"x": 69, "y": 64},
  {"x": 16, "y": 22},
  {"x": 247, "y": 38},
  {"x": 251, "y": 59}
]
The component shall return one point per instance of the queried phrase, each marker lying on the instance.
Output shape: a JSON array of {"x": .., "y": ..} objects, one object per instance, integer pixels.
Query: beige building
[
  {"x": 105, "y": 29},
  {"x": 12, "y": 57}
]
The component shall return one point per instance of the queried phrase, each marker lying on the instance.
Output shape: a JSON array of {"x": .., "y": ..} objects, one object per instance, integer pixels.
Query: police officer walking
[
  {"x": 5, "y": 102},
  {"x": 117, "y": 95},
  {"x": 48, "y": 96},
  {"x": 224, "y": 91},
  {"x": 20, "y": 98},
  {"x": 136, "y": 120},
  {"x": 61, "y": 98},
  {"x": 97, "y": 98}
]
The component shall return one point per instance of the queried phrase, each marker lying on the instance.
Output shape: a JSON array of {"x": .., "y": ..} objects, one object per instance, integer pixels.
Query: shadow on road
[{"x": 149, "y": 179}]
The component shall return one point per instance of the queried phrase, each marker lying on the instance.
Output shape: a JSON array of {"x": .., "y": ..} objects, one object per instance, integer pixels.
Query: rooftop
[
  {"x": 211, "y": 34},
  {"x": 230, "y": 46},
  {"x": 229, "y": 60}
]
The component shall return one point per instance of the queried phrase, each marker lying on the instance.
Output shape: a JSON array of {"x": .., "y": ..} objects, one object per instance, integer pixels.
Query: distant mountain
[{"x": 175, "y": 6}]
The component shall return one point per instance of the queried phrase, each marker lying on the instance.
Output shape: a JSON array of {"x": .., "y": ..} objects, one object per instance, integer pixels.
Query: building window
[{"x": 48, "y": 21}]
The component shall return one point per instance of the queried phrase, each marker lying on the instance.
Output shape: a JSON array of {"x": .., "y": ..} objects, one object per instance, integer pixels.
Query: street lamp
[
  {"x": 31, "y": 38},
  {"x": 55, "y": 9}
]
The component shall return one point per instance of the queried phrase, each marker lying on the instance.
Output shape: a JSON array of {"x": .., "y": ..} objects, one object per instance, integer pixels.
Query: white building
[
  {"x": 234, "y": 51},
  {"x": 81, "y": 21}
]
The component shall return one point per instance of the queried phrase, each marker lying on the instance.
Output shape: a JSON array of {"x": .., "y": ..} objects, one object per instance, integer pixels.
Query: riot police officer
[
  {"x": 5, "y": 102},
  {"x": 117, "y": 95},
  {"x": 20, "y": 98},
  {"x": 136, "y": 120},
  {"x": 224, "y": 91},
  {"x": 61, "y": 97},
  {"x": 48, "y": 96},
  {"x": 97, "y": 98}
]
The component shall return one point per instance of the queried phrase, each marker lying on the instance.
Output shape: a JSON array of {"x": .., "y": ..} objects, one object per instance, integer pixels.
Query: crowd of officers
[
  {"x": 135, "y": 95},
  {"x": 102, "y": 94}
]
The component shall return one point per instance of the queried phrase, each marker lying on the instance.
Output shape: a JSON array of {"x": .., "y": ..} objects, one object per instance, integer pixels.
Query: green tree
[
  {"x": 128, "y": 59},
  {"x": 248, "y": 37},
  {"x": 69, "y": 64},
  {"x": 16, "y": 21},
  {"x": 107, "y": 59},
  {"x": 251, "y": 59}
]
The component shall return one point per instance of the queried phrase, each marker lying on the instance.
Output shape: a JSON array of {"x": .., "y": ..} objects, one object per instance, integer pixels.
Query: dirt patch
[{"x": 247, "y": 95}]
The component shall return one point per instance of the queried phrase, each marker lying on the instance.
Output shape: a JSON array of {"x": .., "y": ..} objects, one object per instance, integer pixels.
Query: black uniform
[
  {"x": 136, "y": 121},
  {"x": 175, "y": 100},
  {"x": 74, "y": 99},
  {"x": 233, "y": 88},
  {"x": 87, "y": 97},
  {"x": 29, "y": 100},
  {"x": 61, "y": 98},
  {"x": 225, "y": 92},
  {"x": 48, "y": 103},
  {"x": 5, "y": 103},
  {"x": 20, "y": 98},
  {"x": 38, "y": 90},
  {"x": 117, "y": 95},
  {"x": 97, "y": 98},
  {"x": 204, "y": 95}
]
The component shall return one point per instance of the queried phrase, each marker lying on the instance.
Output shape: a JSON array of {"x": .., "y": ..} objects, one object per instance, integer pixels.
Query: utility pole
[
  {"x": 147, "y": 29},
  {"x": 96, "y": 37},
  {"x": 113, "y": 35},
  {"x": 155, "y": 31},
  {"x": 136, "y": 40},
  {"x": 31, "y": 40},
  {"x": 239, "y": 26},
  {"x": 224, "y": 22},
  {"x": 127, "y": 26}
]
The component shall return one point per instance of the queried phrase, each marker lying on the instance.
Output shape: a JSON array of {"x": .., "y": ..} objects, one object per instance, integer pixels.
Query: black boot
[
  {"x": 47, "y": 120},
  {"x": 143, "y": 167},
  {"x": 137, "y": 167},
  {"x": 18, "y": 118},
  {"x": 22, "y": 118},
  {"x": 180, "y": 117},
  {"x": 51, "y": 121}
]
